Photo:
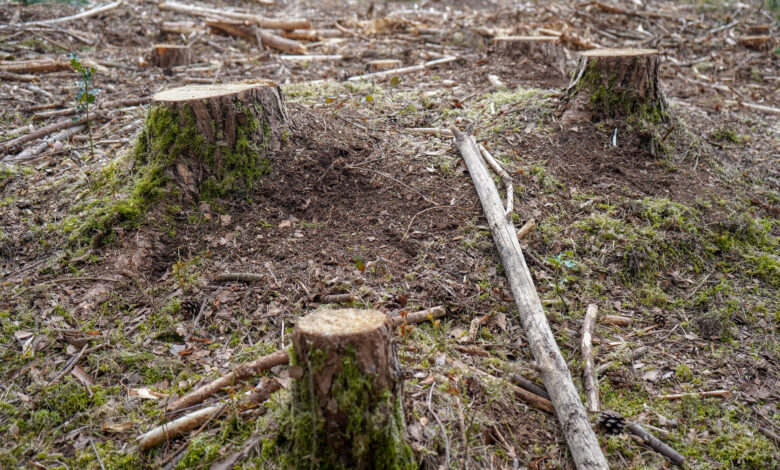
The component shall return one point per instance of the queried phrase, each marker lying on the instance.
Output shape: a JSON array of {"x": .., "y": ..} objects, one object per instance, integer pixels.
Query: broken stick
[
  {"x": 586, "y": 349},
  {"x": 571, "y": 414}
]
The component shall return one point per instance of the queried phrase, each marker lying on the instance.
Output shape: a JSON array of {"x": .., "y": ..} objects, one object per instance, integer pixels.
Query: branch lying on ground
[
  {"x": 192, "y": 420},
  {"x": 261, "y": 21},
  {"x": 278, "y": 358},
  {"x": 384, "y": 75},
  {"x": 552, "y": 366},
  {"x": 586, "y": 349}
]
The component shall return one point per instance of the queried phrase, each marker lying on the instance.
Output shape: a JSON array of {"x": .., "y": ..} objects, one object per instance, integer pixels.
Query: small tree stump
[
  {"x": 615, "y": 83},
  {"x": 347, "y": 402},
  {"x": 547, "y": 48},
  {"x": 170, "y": 55},
  {"x": 212, "y": 139}
]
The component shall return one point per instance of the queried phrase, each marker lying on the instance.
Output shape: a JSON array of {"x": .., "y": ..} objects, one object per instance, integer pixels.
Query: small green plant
[
  {"x": 560, "y": 264},
  {"x": 86, "y": 94}
]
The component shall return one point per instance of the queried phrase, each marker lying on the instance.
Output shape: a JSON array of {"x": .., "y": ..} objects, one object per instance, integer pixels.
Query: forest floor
[{"x": 683, "y": 240}]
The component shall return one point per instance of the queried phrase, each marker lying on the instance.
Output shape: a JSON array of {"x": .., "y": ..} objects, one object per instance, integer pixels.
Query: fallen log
[
  {"x": 552, "y": 366},
  {"x": 240, "y": 29},
  {"x": 263, "y": 22}
]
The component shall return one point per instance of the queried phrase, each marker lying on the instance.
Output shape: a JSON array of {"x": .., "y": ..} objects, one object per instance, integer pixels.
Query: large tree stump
[
  {"x": 212, "y": 139},
  {"x": 169, "y": 55},
  {"x": 347, "y": 399},
  {"x": 615, "y": 83}
]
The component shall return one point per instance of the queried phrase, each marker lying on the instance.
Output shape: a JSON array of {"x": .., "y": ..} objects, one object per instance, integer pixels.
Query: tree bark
[
  {"x": 347, "y": 400},
  {"x": 213, "y": 138},
  {"x": 615, "y": 83},
  {"x": 571, "y": 414},
  {"x": 170, "y": 55}
]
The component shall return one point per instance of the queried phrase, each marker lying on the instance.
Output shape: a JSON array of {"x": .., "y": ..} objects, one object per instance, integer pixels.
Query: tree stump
[
  {"x": 615, "y": 83},
  {"x": 170, "y": 55},
  {"x": 211, "y": 139},
  {"x": 547, "y": 48},
  {"x": 347, "y": 399}
]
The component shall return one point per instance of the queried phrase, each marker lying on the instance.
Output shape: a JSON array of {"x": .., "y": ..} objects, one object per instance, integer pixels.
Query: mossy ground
[{"x": 683, "y": 242}]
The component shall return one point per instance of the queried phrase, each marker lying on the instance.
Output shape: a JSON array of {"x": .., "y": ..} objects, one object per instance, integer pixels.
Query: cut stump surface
[
  {"x": 213, "y": 138},
  {"x": 615, "y": 83},
  {"x": 347, "y": 398}
]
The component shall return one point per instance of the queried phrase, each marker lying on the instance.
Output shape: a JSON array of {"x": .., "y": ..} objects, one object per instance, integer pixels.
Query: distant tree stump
[
  {"x": 615, "y": 83},
  {"x": 547, "y": 48},
  {"x": 347, "y": 402},
  {"x": 212, "y": 139},
  {"x": 170, "y": 55}
]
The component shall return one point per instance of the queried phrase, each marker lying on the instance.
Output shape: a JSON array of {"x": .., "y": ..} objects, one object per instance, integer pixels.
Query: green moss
[
  {"x": 613, "y": 102},
  {"x": 372, "y": 432}
]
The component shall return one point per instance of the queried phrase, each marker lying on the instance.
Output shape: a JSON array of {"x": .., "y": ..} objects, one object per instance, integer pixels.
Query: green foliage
[{"x": 86, "y": 93}]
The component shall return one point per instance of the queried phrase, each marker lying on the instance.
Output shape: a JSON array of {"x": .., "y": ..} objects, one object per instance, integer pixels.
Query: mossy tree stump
[
  {"x": 211, "y": 139},
  {"x": 615, "y": 83},
  {"x": 347, "y": 399},
  {"x": 170, "y": 55}
]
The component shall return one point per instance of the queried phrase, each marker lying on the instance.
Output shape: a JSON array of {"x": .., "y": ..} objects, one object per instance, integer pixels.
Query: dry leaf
[
  {"x": 146, "y": 394},
  {"x": 82, "y": 375}
]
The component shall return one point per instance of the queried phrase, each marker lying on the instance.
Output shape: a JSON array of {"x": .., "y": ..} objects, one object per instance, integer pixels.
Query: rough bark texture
[
  {"x": 571, "y": 414},
  {"x": 212, "y": 139},
  {"x": 347, "y": 398},
  {"x": 615, "y": 83},
  {"x": 170, "y": 55}
]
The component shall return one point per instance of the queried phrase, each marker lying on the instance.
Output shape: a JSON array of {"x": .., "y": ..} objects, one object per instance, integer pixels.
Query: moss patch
[{"x": 371, "y": 437}]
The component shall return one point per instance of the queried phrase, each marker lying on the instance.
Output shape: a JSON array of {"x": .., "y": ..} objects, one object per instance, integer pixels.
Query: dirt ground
[{"x": 681, "y": 237}]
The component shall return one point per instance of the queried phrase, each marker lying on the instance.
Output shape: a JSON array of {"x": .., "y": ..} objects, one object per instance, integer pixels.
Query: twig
[
  {"x": 338, "y": 299},
  {"x": 441, "y": 426},
  {"x": 72, "y": 362},
  {"x": 409, "y": 227},
  {"x": 178, "y": 426},
  {"x": 530, "y": 386},
  {"x": 100, "y": 461},
  {"x": 401, "y": 71},
  {"x": 241, "y": 372},
  {"x": 714, "y": 393},
  {"x": 421, "y": 316},
  {"x": 85, "y": 14},
  {"x": 657, "y": 445},
  {"x": 616, "y": 320},
  {"x": 437, "y": 131},
  {"x": 355, "y": 167},
  {"x": 505, "y": 178},
  {"x": 586, "y": 349},
  {"x": 240, "y": 277}
]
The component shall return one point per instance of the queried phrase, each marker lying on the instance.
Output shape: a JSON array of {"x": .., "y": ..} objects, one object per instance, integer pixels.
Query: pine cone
[
  {"x": 611, "y": 422},
  {"x": 622, "y": 378},
  {"x": 659, "y": 319},
  {"x": 190, "y": 308}
]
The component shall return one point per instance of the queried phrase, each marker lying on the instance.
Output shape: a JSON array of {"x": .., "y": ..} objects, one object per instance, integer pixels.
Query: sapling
[{"x": 85, "y": 95}]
